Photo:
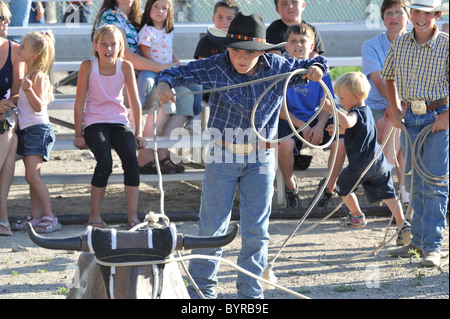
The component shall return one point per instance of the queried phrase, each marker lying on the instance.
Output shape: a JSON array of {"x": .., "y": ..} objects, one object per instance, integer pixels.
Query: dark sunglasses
[{"x": 4, "y": 18}]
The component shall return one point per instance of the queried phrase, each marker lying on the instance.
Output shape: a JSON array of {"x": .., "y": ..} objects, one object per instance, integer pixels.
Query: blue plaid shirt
[{"x": 230, "y": 110}]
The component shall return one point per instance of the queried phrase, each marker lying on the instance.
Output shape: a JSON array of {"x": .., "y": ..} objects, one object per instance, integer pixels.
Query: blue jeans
[
  {"x": 20, "y": 14},
  {"x": 36, "y": 140},
  {"x": 254, "y": 180},
  {"x": 146, "y": 83},
  {"x": 428, "y": 201}
]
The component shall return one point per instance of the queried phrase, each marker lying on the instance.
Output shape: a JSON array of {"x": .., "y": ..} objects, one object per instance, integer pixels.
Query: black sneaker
[
  {"x": 326, "y": 195},
  {"x": 292, "y": 197}
]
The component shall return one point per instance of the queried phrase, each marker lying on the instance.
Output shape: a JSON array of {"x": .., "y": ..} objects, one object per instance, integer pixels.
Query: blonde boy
[
  {"x": 361, "y": 147},
  {"x": 290, "y": 12}
]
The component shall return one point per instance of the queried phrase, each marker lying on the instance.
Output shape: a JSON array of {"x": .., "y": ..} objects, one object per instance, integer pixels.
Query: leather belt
[
  {"x": 246, "y": 149},
  {"x": 431, "y": 106}
]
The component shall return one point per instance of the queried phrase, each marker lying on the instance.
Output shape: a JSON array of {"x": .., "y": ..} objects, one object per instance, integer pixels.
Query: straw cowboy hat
[
  {"x": 246, "y": 32},
  {"x": 429, "y": 6}
]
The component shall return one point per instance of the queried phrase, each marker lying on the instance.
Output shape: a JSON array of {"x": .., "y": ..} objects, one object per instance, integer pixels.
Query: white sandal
[{"x": 50, "y": 224}]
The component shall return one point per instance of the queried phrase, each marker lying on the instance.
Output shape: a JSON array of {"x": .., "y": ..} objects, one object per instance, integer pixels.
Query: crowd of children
[{"x": 134, "y": 64}]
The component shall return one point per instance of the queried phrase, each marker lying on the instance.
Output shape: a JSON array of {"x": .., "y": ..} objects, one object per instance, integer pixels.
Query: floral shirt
[
  {"x": 160, "y": 43},
  {"x": 117, "y": 18}
]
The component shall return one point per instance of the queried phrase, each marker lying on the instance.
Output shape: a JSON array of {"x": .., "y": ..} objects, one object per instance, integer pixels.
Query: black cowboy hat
[{"x": 246, "y": 32}]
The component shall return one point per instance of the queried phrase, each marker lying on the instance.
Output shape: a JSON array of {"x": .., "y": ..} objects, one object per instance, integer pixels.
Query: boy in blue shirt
[
  {"x": 237, "y": 158},
  {"x": 303, "y": 102},
  {"x": 361, "y": 146}
]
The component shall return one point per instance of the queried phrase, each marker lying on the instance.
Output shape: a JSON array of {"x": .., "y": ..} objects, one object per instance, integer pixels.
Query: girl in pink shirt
[
  {"x": 101, "y": 120},
  {"x": 35, "y": 135}
]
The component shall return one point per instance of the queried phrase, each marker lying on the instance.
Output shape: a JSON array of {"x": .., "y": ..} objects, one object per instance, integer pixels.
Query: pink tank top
[
  {"x": 104, "y": 98},
  {"x": 27, "y": 116}
]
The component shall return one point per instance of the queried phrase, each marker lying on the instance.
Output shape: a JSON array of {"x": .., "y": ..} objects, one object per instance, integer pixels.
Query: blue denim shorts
[
  {"x": 36, "y": 140},
  {"x": 377, "y": 183}
]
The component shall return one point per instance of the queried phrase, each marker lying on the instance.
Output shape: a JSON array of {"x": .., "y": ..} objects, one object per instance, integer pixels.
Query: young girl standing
[
  {"x": 101, "y": 120},
  {"x": 35, "y": 135}
]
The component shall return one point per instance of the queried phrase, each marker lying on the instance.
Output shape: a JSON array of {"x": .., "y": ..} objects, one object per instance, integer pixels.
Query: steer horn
[
  {"x": 79, "y": 243},
  {"x": 194, "y": 242}
]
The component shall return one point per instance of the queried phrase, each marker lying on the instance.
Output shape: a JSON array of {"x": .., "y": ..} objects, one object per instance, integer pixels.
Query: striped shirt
[
  {"x": 230, "y": 110},
  {"x": 420, "y": 71}
]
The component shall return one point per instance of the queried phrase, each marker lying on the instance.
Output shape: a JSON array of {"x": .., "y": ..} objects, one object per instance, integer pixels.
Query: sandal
[
  {"x": 169, "y": 167},
  {"x": 149, "y": 168},
  {"x": 132, "y": 224},
  {"x": 5, "y": 228},
  {"x": 20, "y": 223},
  {"x": 100, "y": 224},
  {"x": 48, "y": 224}
]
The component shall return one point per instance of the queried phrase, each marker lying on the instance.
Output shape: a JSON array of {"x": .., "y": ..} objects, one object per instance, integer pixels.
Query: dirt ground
[{"x": 315, "y": 264}]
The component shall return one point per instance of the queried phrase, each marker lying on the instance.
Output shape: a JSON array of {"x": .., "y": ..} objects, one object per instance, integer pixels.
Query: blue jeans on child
[
  {"x": 428, "y": 201},
  {"x": 254, "y": 179},
  {"x": 36, "y": 140},
  {"x": 146, "y": 83}
]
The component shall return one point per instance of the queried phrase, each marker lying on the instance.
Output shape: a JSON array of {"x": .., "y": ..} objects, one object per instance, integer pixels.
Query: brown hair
[
  {"x": 134, "y": 17},
  {"x": 229, "y": 4},
  {"x": 276, "y": 3},
  {"x": 387, "y": 4},
  {"x": 170, "y": 20},
  {"x": 301, "y": 29}
]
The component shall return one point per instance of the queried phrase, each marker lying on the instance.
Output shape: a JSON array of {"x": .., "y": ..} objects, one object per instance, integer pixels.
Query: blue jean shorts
[
  {"x": 377, "y": 183},
  {"x": 36, "y": 140}
]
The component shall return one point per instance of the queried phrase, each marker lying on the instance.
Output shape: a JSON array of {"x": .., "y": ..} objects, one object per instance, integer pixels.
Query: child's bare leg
[
  {"x": 36, "y": 207},
  {"x": 338, "y": 164},
  {"x": 39, "y": 194},
  {"x": 132, "y": 195},
  {"x": 396, "y": 208},
  {"x": 353, "y": 205},
  {"x": 286, "y": 162},
  {"x": 97, "y": 195}
]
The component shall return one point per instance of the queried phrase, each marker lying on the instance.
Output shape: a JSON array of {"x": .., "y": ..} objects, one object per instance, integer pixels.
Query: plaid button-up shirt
[
  {"x": 230, "y": 110},
  {"x": 420, "y": 71}
]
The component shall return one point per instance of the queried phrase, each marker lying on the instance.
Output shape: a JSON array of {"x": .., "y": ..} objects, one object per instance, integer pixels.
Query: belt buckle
[
  {"x": 241, "y": 149},
  {"x": 419, "y": 107}
]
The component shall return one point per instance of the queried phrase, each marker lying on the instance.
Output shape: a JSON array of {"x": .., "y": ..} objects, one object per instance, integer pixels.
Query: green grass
[{"x": 338, "y": 71}]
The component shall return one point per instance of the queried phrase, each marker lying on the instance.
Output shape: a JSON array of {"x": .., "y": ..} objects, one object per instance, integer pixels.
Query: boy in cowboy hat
[
  {"x": 416, "y": 71},
  {"x": 236, "y": 157}
]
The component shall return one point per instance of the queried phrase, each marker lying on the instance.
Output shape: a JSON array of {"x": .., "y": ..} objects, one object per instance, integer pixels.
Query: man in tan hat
[
  {"x": 416, "y": 71},
  {"x": 237, "y": 157}
]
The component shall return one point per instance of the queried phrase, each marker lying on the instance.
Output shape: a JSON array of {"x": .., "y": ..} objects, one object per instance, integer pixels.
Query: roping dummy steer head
[{"x": 100, "y": 247}]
